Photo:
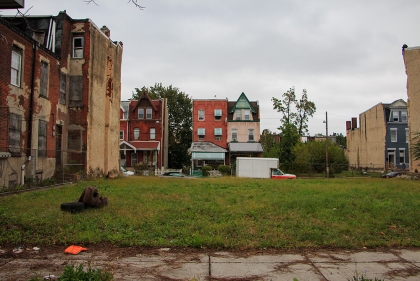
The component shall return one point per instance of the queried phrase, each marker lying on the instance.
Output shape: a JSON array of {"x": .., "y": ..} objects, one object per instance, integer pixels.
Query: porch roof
[
  {"x": 140, "y": 145},
  {"x": 245, "y": 147}
]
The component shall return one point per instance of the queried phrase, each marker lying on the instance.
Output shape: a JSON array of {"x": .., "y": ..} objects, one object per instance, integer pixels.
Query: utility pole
[{"x": 326, "y": 144}]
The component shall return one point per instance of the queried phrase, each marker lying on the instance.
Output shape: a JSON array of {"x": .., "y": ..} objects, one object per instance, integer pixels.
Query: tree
[
  {"x": 341, "y": 140},
  {"x": 304, "y": 109},
  {"x": 271, "y": 148},
  {"x": 132, "y": 1},
  {"x": 293, "y": 122},
  {"x": 180, "y": 122}
]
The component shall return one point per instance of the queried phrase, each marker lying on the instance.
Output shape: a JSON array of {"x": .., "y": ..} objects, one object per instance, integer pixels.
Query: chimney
[
  {"x": 348, "y": 125},
  {"x": 106, "y": 30},
  {"x": 354, "y": 123}
]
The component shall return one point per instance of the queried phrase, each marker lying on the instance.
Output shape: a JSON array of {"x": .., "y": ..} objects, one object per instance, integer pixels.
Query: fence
[{"x": 25, "y": 169}]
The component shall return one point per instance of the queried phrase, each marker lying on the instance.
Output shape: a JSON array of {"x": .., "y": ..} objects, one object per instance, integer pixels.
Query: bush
[
  {"x": 224, "y": 170},
  {"x": 206, "y": 170}
]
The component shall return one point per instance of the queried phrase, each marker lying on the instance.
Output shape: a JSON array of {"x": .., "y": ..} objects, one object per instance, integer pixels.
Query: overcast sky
[{"x": 346, "y": 54}]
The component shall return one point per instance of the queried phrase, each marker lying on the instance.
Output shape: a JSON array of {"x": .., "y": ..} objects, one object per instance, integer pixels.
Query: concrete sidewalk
[{"x": 395, "y": 264}]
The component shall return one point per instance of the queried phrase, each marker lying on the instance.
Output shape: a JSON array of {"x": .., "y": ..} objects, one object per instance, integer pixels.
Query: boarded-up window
[
  {"x": 15, "y": 128},
  {"x": 75, "y": 140},
  {"x": 42, "y": 139},
  {"x": 76, "y": 91},
  {"x": 43, "y": 83},
  {"x": 63, "y": 84}
]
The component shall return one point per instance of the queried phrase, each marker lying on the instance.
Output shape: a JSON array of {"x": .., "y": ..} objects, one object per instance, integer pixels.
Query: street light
[{"x": 326, "y": 144}]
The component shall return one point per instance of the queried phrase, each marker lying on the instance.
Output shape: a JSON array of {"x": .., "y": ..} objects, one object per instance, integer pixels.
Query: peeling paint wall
[
  {"x": 366, "y": 144},
  {"x": 412, "y": 69}
]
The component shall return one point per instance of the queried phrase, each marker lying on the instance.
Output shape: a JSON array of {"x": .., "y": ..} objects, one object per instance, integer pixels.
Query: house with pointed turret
[
  {"x": 243, "y": 126},
  {"x": 224, "y": 130}
]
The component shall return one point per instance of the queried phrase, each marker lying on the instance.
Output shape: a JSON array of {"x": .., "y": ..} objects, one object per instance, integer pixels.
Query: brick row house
[
  {"x": 58, "y": 106},
  {"x": 144, "y": 132},
  {"x": 381, "y": 141},
  {"x": 224, "y": 130}
]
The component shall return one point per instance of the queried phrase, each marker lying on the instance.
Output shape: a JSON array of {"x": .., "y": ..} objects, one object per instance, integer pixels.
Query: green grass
[{"x": 221, "y": 213}]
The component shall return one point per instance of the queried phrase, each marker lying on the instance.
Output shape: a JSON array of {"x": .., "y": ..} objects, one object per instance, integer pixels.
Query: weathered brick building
[
  {"x": 381, "y": 140},
  {"x": 144, "y": 132},
  {"x": 411, "y": 58},
  {"x": 60, "y": 84}
]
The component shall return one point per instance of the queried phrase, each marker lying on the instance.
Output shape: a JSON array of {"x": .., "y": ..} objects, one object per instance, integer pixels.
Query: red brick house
[
  {"x": 144, "y": 132},
  {"x": 209, "y": 141},
  {"x": 58, "y": 106}
]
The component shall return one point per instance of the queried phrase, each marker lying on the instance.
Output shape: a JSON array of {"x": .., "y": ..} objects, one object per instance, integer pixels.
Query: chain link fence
[{"x": 26, "y": 169}]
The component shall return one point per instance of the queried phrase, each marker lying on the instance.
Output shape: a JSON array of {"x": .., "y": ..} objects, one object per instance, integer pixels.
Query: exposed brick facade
[{"x": 42, "y": 96}]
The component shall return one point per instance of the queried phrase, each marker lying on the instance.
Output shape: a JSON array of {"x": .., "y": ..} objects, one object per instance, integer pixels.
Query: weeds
[{"x": 78, "y": 273}]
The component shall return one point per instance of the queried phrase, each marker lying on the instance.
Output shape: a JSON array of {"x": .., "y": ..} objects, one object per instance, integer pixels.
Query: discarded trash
[
  {"x": 18, "y": 250},
  {"x": 36, "y": 248},
  {"x": 164, "y": 249},
  {"x": 49, "y": 277},
  {"x": 91, "y": 198},
  {"x": 74, "y": 250}
]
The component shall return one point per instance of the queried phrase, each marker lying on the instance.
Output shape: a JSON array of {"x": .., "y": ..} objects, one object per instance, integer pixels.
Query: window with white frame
[
  {"x": 402, "y": 156},
  {"x": 407, "y": 135},
  {"x": 201, "y": 132},
  {"x": 250, "y": 134},
  {"x": 393, "y": 134},
  {"x": 136, "y": 133},
  {"x": 43, "y": 81},
  {"x": 16, "y": 71},
  {"x": 200, "y": 115},
  {"x": 394, "y": 116},
  {"x": 148, "y": 113},
  {"x": 403, "y": 116},
  {"x": 78, "y": 47},
  {"x": 152, "y": 133},
  {"x": 238, "y": 114},
  {"x": 217, "y": 114},
  {"x": 140, "y": 113},
  {"x": 121, "y": 135},
  {"x": 125, "y": 115},
  {"x": 246, "y": 114},
  {"x": 234, "y": 135}
]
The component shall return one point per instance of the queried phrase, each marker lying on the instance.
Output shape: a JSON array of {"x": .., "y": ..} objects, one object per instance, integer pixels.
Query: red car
[{"x": 278, "y": 174}]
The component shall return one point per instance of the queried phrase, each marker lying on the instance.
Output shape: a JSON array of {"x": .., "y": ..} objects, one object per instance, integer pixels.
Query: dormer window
[
  {"x": 246, "y": 114},
  {"x": 403, "y": 116},
  {"x": 217, "y": 114},
  {"x": 238, "y": 114},
  {"x": 148, "y": 113},
  {"x": 140, "y": 113}
]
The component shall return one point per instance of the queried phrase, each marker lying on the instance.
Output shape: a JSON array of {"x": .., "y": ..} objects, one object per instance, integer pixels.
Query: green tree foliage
[
  {"x": 296, "y": 112},
  {"x": 271, "y": 148},
  {"x": 295, "y": 115},
  {"x": 341, "y": 140},
  {"x": 180, "y": 122},
  {"x": 289, "y": 137},
  {"x": 311, "y": 157}
]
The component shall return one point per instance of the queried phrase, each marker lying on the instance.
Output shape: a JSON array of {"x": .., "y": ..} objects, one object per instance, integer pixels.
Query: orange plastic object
[{"x": 74, "y": 250}]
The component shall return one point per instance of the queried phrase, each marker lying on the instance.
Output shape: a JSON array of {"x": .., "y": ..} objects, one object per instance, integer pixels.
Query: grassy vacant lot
[{"x": 221, "y": 213}]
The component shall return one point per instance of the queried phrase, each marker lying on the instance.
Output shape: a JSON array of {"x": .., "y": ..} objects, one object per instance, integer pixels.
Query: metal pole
[{"x": 326, "y": 144}]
